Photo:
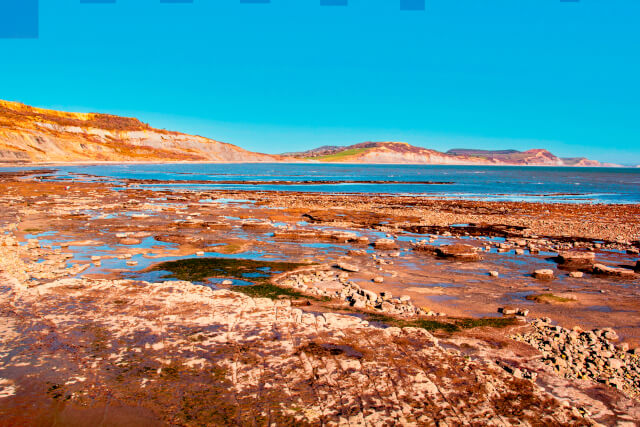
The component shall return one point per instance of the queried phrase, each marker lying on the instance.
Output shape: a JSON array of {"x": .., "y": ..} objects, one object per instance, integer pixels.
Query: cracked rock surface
[{"x": 177, "y": 353}]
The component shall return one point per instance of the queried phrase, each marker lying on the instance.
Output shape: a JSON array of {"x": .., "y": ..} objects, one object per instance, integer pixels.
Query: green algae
[
  {"x": 454, "y": 325},
  {"x": 201, "y": 269},
  {"x": 268, "y": 290},
  {"x": 548, "y": 298}
]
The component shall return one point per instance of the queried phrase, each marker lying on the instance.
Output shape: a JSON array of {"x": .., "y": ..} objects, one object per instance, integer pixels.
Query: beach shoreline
[{"x": 372, "y": 264}]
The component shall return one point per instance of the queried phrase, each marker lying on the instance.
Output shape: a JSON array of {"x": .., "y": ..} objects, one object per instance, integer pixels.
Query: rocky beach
[{"x": 123, "y": 304}]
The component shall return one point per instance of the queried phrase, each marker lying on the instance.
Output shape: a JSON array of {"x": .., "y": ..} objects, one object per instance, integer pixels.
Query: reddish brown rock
[
  {"x": 605, "y": 270},
  {"x": 544, "y": 274},
  {"x": 385, "y": 244},
  {"x": 576, "y": 258},
  {"x": 459, "y": 252}
]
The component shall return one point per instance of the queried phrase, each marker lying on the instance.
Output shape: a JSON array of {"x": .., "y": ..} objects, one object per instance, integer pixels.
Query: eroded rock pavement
[{"x": 91, "y": 351}]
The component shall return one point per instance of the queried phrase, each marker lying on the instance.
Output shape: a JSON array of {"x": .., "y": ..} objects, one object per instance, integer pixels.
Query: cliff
[
  {"x": 29, "y": 134},
  {"x": 401, "y": 152}
]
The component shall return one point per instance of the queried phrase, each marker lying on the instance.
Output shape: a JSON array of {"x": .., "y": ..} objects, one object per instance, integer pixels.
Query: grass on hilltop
[{"x": 339, "y": 156}]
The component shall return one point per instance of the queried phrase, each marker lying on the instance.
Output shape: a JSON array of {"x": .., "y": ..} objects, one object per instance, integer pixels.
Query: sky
[{"x": 292, "y": 75}]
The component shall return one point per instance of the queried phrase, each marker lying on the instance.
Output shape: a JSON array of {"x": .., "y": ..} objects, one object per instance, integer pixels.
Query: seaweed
[
  {"x": 548, "y": 298},
  {"x": 452, "y": 325},
  {"x": 268, "y": 290},
  {"x": 201, "y": 269}
]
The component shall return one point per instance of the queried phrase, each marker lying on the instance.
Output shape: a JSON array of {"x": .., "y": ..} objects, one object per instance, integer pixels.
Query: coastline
[
  {"x": 86, "y": 255},
  {"x": 115, "y": 162}
]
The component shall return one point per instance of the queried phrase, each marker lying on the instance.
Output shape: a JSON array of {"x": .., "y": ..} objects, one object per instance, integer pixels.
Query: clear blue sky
[{"x": 293, "y": 75}]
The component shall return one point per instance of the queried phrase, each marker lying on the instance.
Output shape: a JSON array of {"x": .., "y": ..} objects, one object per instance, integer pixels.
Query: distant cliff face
[
  {"x": 29, "y": 134},
  {"x": 400, "y": 152},
  {"x": 36, "y": 135}
]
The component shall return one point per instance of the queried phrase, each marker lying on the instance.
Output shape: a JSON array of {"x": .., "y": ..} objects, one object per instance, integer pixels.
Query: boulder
[
  {"x": 544, "y": 274},
  {"x": 378, "y": 279},
  {"x": 507, "y": 311},
  {"x": 459, "y": 252},
  {"x": 371, "y": 296},
  {"x": 494, "y": 273},
  {"x": 611, "y": 271},
  {"x": 576, "y": 258},
  {"x": 576, "y": 274}
]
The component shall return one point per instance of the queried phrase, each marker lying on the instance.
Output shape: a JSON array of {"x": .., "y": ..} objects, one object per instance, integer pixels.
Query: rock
[
  {"x": 576, "y": 258},
  {"x": 129, "y": 241},
  {"x": 370, "y": 295},
  {"x": 519, "y": 251},
  {"x": 494, "y": 273},
  {"x": 522, "y": 312},
  {"x": 386, "y": 307},
  {"x": 543, "y": 274},
  {"x": 405, "y": 299},
  {"x": 378, "y": 279},
  {"x": 615, "y": 363},
  {"x": 507, "y": 311},
  {"x": 348, "y": 267},
  {"x": 637, "y": 267},
  {"x": 227, "y": 282},
  {"x": 200, "y": 253},
  {"x": 609, "y": 334},
  {"x": 256, "y": 225},
  {"x": 612, "y": 271},
  {"x": 576, "y": 274},
  {"x": 459, "y": 252},
  {"x": 385, "y": 244},
  {"x": 132, "y": 263},
  {"x": 360, "y": 303},
  {"x": 95, "y": 258}
]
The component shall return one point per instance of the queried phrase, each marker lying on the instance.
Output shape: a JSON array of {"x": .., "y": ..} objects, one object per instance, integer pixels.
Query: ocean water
[{"x": 499, "y": 183}]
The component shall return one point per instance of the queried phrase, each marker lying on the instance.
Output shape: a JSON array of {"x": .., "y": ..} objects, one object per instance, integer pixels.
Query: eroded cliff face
[
  {"x": 401, "y": 152},
  {"x": 37, "y": 135}
]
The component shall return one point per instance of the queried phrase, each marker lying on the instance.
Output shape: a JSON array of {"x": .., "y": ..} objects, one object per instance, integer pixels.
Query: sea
[{"x": 489, "y": 183}]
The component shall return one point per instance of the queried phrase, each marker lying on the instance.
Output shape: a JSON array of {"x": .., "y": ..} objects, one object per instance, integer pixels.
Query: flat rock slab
[
  {"x": 544, "y": 274},
  {"x": 459, "y": 252},
  {"x": 576, "y": 258},
  {"x": 177, "y": 353},
  {"x": 612, "y": 271},
  {"x": 385, "y": 244},
  {"x": 348, "y": 267}
]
